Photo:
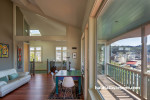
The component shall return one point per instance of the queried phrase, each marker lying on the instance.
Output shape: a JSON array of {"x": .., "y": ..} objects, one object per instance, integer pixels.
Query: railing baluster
[
  {"x": 132, "y": 80},
  {"x": 115, "y": 73},
  {"x": 129, "y": 78},
  {"x": 139, "y": 84},
  {"x": 120, "y": 75},
  {"x": 123, "y": 77},
  {"x": 126, "y": 78},
  {"x": 135, "y": 85},
  {"x": 148, "y": 88}
]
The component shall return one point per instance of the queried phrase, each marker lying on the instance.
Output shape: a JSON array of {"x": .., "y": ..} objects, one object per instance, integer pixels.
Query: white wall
[
  {"x": 48, "y": 52},
  {"x": 74, "y": 40},
  {"x": 49, "y": 47}
]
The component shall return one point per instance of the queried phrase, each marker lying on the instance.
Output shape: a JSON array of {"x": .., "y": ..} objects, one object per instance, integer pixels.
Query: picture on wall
[
  {"x": 4, "y": 48},
  {"x": 74, "y": 55},
  {"x": 19, "y": 57}
]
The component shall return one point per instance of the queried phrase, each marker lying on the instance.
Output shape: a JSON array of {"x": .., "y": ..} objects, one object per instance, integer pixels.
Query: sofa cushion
[
  {"x": 25, "y": 77},
  {"x": 15, "y": 83},
  {"x": 7, "y": 72},
  {"x": 2, "y": 83},
  {"x": 22, "y": 74},
  {"x": 5, "y": 78},
  {"x": 13, "y": 76},
  {"x": 10, "y": 84}
]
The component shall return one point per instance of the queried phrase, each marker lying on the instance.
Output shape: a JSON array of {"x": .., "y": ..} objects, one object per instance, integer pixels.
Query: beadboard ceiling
[{"x": 120, "y": 16}]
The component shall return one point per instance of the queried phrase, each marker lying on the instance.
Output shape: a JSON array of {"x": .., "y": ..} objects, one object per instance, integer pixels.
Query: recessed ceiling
[{"x": 122, "y": 16}]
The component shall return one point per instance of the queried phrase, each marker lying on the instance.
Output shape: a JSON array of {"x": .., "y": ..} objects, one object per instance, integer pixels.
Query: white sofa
[{"x": 6, "y": 87}]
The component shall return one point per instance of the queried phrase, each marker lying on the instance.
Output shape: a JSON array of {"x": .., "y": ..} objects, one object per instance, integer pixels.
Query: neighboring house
[{"x": 134, "y": 63}]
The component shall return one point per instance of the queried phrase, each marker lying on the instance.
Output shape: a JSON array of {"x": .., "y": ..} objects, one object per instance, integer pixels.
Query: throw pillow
[
  {"x": 13, "y": 76},
  {"x": 5, "y": 78}
]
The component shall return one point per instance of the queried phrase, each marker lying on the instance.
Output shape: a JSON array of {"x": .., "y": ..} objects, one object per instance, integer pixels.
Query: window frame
[
  {"x": 61, "y": 53},
  {"x": 35, "y": 53}
]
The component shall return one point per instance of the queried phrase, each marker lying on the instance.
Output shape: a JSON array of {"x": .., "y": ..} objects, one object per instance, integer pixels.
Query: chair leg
[
  {"x": 71, "y": 93},
  {"x": 65, "y": 92}
]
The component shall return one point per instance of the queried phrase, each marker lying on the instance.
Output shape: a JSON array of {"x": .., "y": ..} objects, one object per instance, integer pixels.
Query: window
[
  {"x": 35, "y": 33},
  {"x": 61, "y": 53},
  {"x": 148, "y": 53},
  {"x": 35, "y": 53}
]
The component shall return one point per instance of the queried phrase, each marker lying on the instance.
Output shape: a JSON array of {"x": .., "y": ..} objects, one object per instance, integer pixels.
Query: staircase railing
[{"x": 32, "y": 67}]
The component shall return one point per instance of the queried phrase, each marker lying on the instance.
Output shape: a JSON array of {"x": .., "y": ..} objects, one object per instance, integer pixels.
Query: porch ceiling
[{"x": 121, "y": 16}]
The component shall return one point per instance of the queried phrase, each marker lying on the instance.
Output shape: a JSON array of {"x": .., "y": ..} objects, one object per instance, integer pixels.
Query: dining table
[{"x": 75, "y": 74}]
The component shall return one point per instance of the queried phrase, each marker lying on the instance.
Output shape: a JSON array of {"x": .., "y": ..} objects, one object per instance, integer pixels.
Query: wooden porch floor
[{"x": 114, "y": 94}]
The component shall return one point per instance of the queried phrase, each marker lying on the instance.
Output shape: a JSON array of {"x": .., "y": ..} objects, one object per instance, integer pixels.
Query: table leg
[
  {"x": 56, "y": 85},
  {"x": 79, "y": 84}
]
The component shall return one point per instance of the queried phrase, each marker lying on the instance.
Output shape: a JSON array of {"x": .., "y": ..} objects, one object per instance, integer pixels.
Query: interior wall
[
  {"x": 49, "y": 48},
  {"x": 48, "y": 52},
  {"x": 26, "y": 30},
  {"x": 74, "y": 40},
  {"x": 6, "y": 32},
  {"x": 19, "y": 22}
]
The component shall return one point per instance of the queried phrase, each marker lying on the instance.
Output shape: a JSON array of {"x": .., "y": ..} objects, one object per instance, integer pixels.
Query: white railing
[{"x": 130, "y": 78}]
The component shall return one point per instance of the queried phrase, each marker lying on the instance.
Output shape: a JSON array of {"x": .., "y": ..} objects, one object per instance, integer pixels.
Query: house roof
[{"x": 131, "y": 62}]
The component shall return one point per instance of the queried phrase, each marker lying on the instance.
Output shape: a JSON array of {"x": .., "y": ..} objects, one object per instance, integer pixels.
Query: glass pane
[
  {"x": 148, "y": 53},
  {"x": 35, "y": 33},
  {"x": 58, "y": 55},
  {"x": 100, "y": 58},
  {"x": 31, "y": 48},
  {"x": 58, "y": 48},
  {"x": 38, "y": 48},
  {"x": 38, "y": 57},
  {"x": 64, "y": 48},
  {"x": 31, "y": 56},
  {"x": 64, "y": 55},
  {"x": 127, "y": 53}
]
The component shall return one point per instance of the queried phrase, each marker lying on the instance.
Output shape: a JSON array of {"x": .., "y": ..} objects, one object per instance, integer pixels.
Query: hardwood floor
[{"x": 39, "y": 88}]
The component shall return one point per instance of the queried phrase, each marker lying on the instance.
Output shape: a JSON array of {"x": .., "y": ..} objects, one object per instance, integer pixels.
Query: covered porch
[{"x": 119, "y": 34}]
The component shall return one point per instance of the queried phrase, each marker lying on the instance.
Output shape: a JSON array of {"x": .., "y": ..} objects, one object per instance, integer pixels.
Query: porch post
[
  {"x": 86, "y": 66},
  {"x": 92, "y": 54},
  {"x": 143, "y": 64},
  {"x": 107, "y": 58}
]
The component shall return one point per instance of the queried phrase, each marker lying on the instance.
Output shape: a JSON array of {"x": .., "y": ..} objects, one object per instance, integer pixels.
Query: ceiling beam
[
  {"x": 40, "y": 38},
  {"x": 95, "y": 7}
]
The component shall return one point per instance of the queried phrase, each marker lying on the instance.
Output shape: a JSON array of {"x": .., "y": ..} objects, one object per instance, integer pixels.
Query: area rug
[{"x": 68, "y": 95}]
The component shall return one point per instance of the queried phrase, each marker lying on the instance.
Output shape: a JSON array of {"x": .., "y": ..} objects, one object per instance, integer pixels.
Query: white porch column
[
  {"x": 92, "y": 53},
  {"x": 107, "y": 58},
  {"x": 86, "y": 66},
  {"x": 143, "y": 64}
]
